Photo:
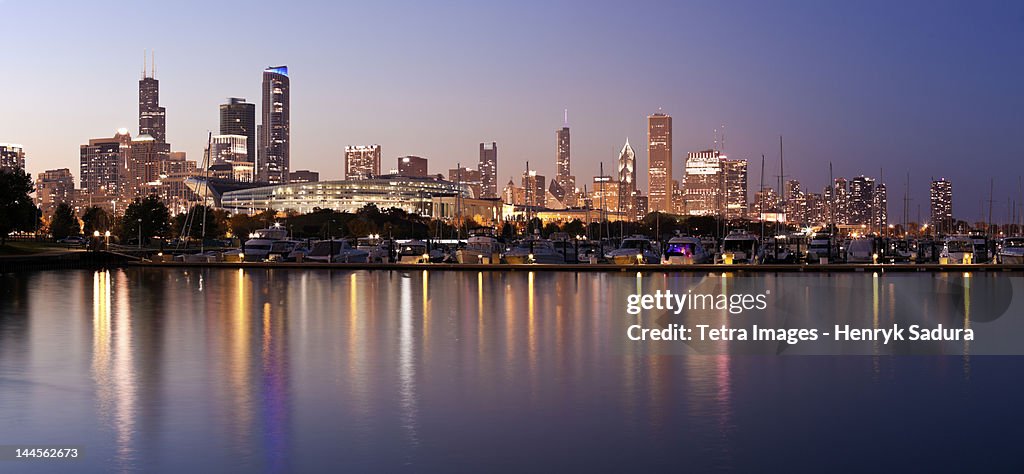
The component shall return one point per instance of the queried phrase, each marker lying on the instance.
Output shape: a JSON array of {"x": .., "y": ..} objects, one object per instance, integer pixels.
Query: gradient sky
[{"x": 930, "y": 88}]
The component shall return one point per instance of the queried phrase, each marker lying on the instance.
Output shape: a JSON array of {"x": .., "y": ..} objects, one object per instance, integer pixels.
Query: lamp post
[
  {"x": 106, "y": 236},
  {"x": 140, "y": 233},
  {"x": 96, "y": 236}
]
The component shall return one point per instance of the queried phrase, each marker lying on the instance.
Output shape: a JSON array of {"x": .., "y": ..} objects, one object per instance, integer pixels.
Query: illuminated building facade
[
  {"x": 362, "y": 161},
  {"x": 275, "y": 128},
  {"x": 659, "y": 157}
]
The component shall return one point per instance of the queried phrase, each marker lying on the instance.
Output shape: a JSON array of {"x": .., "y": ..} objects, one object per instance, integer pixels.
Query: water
[{"x": 219, "y": 370}]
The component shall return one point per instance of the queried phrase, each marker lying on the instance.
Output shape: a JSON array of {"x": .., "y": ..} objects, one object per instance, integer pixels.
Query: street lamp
[
  {"x": 106, "y": 236},
  {"x": 140, "y": 233},
  {"x": 96, "y": 235}
]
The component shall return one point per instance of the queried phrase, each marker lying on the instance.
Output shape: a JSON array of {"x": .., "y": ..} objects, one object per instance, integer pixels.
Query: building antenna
[
  {"x": 991, "y": 188},
  {"x": 143, "y": 63},
  {"x": 760, "y": 200},
  {"x": 152, "y": 64},
  {"x": 565, "y": 119}
]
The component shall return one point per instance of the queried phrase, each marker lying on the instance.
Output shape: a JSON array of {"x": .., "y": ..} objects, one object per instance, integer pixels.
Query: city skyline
[{"x": 856, "y": 106}]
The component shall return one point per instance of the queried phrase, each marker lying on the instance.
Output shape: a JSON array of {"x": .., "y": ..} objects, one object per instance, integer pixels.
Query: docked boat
[
  {"x": 481, "y": 247},
  {"x": 739, "y": 246},
  {"x": 861, "y": 250},
  {"x": 202, "y": 257},
  {"x": 439, "y": 254},
  {"x": 686, "y": 251},
  {"x": 413, "y": 251},
  {"x": 336, "y": 251},
  {"x": 533, "y": 250},
  {"x": 588, "y": 251},
  {"x": 1011, "y": 251},
  {"x": 900, "y": 251},
  {"x": 821, "y": 248},
  {"x": 373, "y": 245},
  {"x": 982, "y": 253},
  {"x": 634, "y": 250},
  {"x": 957, "y": 249},
  {"x": 777, "y": 250},
  {"x": 257, "y": 248},
  {"x": 281, "y": 250}
]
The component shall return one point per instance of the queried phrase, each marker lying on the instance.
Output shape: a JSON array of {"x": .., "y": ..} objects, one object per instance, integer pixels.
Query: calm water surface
[{"x": 172, "y": 370}]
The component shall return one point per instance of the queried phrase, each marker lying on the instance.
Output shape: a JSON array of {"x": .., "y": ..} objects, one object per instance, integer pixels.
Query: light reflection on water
[{"x": 275, "y": 370}]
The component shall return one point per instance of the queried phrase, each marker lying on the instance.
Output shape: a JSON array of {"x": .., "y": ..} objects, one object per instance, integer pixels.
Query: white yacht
[
  {"x": 686, "y": 251},
  {"x": 740, "y": 245},
  {"x": 820, "y": 247},
  {"x": 482, "y": 247},
  {"x": 282, "y": 249},
  {"x": 534, "y": 250},
  {"x": 1011, "y": 251},
  {"x": 257, "y": 248},
  {"x": 336, "y": 251},
  {"x": 957, "y": 249},
  {"x": 374, "y": 247},
  {"x": 634, "y": 250},
  {"x": 413, "y": 251}
]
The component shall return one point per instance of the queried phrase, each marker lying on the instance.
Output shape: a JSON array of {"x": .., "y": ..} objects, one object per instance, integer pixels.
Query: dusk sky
[{"x": 929, "y": 88}]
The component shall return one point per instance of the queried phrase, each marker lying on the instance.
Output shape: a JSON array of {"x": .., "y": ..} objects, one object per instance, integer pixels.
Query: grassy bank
[{"x": 29, "y": 247}]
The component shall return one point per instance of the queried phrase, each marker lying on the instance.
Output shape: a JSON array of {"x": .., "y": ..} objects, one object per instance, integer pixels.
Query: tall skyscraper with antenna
[
  {"x": 563, "y": 170},
  {"x": 152, "y": 117}
]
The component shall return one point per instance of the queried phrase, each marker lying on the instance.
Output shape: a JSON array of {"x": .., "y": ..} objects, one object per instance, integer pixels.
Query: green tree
[
  {"x": 17, "y": 211},
  {"x": 64, "y": 223},
  {"x": 95, "y": 219},
  {"x": 574, "y": 228},
  {"x": 242, "y": 225},
  {"x": 191, "y": 223},
  {"x": 150, "y": 215}
]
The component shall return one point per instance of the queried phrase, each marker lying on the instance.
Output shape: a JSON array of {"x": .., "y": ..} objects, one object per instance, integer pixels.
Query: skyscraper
[
  {"x": 274, "y": 142},
  {"x": 942, "y": 206},
  {"x": 414, "y": 166},
  {"x": 54, "y": 187},
  {"x": 152, "y": 117},
  {"x": 563, "y": 169},
  {"x": 702, "y": 193},
  {"x": 489, "y": 169},
  {"x": 533, "y": 183},
  {"x": 840, "y": 199},
  {"x": 229, "y": 149},
  {"x": 105, "y": 166},
  {"x": 469, "y": 177},
  {"x": 659, "y": 158},
  {"x": 881, "y": 208},
  {"x": 735, "y": 188},
  {"x": 12, "y": 156},
  {"x": 238, "y": 117},
  {"x": 362, "y": 161},
  {"x": 627, "y": 180},
  {"x": 861, "y": 202}
]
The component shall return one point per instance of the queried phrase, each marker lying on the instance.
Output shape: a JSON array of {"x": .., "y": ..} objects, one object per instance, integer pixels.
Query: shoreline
[{"x": 605, "y": 267}]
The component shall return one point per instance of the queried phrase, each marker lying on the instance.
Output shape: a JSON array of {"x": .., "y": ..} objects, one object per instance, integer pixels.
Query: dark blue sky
[{"x": 933, "y": 88}]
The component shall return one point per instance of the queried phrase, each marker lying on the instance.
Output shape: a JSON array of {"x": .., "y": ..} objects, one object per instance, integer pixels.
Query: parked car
[{"x": 72, "y": 240}]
